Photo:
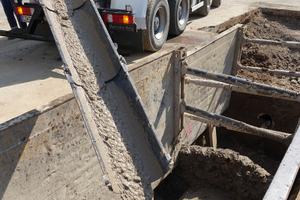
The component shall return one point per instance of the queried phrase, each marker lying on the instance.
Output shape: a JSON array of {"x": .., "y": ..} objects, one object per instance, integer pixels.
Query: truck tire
[
  {"x": 179, "y": 15},
  {"x": 204, "y": 10},
  {"x": 216, "y": 3},
  {"x": 158, "y": 23}
]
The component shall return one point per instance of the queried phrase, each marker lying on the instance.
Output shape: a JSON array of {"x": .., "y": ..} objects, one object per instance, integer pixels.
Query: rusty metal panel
[
  {"x": 47, "y": 154},
  {"x": 154, "y": 83},
  {"x": 218, "y": 57}
]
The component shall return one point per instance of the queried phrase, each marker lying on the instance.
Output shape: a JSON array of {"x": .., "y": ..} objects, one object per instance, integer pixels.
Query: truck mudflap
[{"x": 123, "y": 136}]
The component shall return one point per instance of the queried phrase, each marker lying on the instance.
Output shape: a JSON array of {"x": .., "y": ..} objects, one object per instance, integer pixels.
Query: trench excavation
[{"x": 243, "y": 166}]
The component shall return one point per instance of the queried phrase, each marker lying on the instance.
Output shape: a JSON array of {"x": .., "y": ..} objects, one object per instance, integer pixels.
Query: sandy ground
[{"x": 31, "y": 74}]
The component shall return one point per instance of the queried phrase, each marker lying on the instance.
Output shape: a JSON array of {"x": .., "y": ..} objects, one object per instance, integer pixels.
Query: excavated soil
[
  {"x": 242, "y": 166},
  {"x": 263, "y": 26},
  {"x": 226, "y": 169}
]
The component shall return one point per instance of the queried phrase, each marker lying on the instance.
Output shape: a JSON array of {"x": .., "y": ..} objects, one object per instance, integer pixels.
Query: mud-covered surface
[
  {"x": 265, "y": 26},
  {"x": 225, "y": 169},
  {"x": 243, "y": 165},
  {"x": 270, "y": 24},
  {"x": 207, "y": 173}
]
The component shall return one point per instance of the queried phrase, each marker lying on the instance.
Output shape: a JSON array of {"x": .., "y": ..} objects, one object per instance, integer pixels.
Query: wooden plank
[{"x": 212, "y": 136}]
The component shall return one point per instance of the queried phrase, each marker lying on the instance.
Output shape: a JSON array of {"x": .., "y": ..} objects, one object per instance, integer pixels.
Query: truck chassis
[{"x": 133, "y": 25}]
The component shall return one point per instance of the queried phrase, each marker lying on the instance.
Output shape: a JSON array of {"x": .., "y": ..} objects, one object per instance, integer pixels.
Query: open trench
[{"x": 242, "y": 166}]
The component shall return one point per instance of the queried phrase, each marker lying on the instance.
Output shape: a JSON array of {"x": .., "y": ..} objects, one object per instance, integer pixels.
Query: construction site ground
[{"x": 31, "y": 76}]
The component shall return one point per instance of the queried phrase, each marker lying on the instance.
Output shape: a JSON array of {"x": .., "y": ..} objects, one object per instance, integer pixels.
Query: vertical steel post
[
  {"x": 238, "y": 50},
  {"x": 177, "y": 91}
]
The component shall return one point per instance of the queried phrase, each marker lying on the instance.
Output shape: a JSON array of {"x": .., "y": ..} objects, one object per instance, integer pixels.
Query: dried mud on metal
[{"x": 126, "y": 174}]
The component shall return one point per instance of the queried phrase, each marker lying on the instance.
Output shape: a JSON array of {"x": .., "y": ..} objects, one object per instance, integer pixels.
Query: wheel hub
[
  {"x": 180, "y": 11},
  {"x": 159, "y": 23},
  {"x": 156, "y": 23}
]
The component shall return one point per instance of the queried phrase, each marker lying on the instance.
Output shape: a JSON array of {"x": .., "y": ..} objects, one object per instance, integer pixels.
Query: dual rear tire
[
  {"x": 179, "y": 10},
  {"x": 216, "y": 3},
  {"x": 204, "y": 10},
  {"x": 164, "y": 17},
  {"x": 158, "y": 23}
]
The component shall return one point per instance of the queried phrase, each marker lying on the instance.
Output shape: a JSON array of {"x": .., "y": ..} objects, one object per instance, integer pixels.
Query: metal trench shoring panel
[
  {"x": 283, "y": 181},
  {"x": 240, "y": 85}
]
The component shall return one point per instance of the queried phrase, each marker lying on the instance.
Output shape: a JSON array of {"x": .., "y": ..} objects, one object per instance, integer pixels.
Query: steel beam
[
  {"x": 232, "y": 124},
  {"x": 263, "y": 89}
]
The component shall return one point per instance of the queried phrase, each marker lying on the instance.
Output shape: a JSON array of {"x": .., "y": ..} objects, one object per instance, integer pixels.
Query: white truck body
[{"x": 139, "y": 9}]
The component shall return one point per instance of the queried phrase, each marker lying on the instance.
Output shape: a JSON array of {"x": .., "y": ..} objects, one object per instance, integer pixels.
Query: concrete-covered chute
[{"x": 127, "y": 146}]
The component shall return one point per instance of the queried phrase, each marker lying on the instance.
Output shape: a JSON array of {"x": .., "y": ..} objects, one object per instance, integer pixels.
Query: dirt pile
[
  {"x": 225, "y": 169},
  {"x": 265, "y": 26}
]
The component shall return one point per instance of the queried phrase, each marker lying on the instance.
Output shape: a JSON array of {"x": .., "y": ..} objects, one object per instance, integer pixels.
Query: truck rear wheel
[
  {"x": 216, "y": 3},
  {"x": 204, "y": 10},
  {"x": 179, "y": 15},
  {"x": 158, "y": 23}
]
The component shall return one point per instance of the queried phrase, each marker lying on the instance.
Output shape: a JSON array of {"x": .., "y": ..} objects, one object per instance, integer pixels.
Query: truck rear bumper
[{"x": 20, "y": 34}]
